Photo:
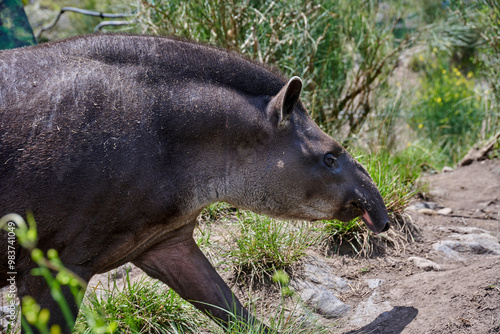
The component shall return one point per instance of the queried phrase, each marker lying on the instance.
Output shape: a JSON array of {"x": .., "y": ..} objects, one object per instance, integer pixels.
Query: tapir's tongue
[{"x": 368, "y": 221}]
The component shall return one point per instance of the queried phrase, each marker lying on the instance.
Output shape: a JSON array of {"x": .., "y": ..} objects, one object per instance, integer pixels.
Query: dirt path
[{"x": 448, "y": 281}]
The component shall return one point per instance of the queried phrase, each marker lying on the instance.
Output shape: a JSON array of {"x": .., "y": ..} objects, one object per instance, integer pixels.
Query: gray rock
[
  {"x": 368, "y": 310},
  {"x": 475, "y": 243},
  {"x": 424, "y": 205},
  {"x": 425, "y": 264},
  {"x": 325, "y": 303},
  {"x": 318, "y": 275},
  {"x": 374, "y": 283}
]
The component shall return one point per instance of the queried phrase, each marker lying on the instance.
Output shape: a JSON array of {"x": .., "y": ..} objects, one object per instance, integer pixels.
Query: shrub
[{"x": 448, "y": 110}]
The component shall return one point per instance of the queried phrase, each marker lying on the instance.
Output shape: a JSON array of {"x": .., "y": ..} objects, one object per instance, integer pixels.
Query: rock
[
  {"x": 444, "y": 211},
  {"x": 318, "y": 275},
  {"x": 318, "y": 287},
  {"x": 325, "y": 303},
  {"x": 374, "y": 283},
  {"x": 447, "y": 169},
  {"x": 369, "y": 310},
  {"x": 475, "y": 243},
  {"x": 444, "y": 248},
  {"x": 429, "y": 212},
  {"x": 424, "y": 205},
  {"x": 425, "y": 264}
]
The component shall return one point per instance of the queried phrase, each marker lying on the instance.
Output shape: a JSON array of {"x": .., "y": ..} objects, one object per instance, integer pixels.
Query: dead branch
[
  {"x": 476, "y": 153},
  {"x": 89, "y": 13}
]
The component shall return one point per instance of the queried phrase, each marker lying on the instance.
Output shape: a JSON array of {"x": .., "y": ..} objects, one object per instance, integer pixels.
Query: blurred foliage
[
  {"x": 15, "y": 29},
  {"x": 447, "y": 108},
  {"x": 43, "y": 12},
  {"x": 343, "y": 52}
]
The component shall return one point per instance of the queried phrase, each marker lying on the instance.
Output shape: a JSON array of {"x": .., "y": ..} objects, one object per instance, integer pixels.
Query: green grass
[
  {"x": 143, "y": 306},
  {"x": 264, "y": 245}
]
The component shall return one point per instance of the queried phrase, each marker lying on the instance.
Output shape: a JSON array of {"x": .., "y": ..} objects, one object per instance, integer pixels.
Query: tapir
[{"x": 117, "y": 142}]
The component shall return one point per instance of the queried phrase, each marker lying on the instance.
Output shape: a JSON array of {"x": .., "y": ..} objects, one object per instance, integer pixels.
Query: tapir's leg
[{"x": 184, "y": 268}]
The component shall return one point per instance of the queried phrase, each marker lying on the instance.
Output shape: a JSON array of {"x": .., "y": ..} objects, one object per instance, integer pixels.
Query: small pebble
[{"x": 445, "y": 211}]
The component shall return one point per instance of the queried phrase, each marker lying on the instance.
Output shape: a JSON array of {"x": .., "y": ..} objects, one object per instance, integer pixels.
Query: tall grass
[{"x": 342, "y": 51}]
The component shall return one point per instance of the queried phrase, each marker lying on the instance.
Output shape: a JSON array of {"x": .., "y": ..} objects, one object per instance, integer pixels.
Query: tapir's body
[{"x": 116, "y": 143}]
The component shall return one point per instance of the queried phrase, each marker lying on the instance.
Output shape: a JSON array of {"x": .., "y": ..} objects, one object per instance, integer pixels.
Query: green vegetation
[
  {"x": 265, "y": 245},
  {"x": 142, "y": 306}
]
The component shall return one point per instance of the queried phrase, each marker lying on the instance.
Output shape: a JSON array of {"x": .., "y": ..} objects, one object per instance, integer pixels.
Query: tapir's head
[{"x": 297, "y": 171}]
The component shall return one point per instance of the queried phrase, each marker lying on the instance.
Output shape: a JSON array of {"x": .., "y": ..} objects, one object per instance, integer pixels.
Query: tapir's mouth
[{"x": 369, "y": 222}]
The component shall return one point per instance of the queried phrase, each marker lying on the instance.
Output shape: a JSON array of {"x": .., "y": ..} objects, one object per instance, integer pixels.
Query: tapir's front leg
[{"x": 183, "y": 267}]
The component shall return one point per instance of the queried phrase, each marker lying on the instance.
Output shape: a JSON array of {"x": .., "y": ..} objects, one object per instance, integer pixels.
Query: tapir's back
[{"x": 101, "y": 115}]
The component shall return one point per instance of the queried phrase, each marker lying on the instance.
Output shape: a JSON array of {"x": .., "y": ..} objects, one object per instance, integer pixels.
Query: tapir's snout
[
  {"x": 379, "y": 227},
  {"x": 375, "y": 215}
]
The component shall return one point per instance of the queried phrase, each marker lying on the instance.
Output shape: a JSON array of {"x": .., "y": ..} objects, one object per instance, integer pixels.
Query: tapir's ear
[{"x": 286, "y": 99}]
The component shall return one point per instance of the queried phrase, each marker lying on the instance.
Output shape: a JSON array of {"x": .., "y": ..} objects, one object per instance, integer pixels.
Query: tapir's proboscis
[{"x": 117, "y": 142}]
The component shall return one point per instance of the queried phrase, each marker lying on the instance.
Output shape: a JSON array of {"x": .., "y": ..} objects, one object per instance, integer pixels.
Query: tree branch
[{"x": 86, "y": 12}]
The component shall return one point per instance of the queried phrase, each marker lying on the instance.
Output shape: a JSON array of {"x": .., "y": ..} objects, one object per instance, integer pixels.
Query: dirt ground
[{"x": 459, "y": 291}]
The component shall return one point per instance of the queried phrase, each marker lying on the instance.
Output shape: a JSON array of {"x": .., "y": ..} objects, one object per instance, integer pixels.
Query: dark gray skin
[{"x": 116, "y": 143}]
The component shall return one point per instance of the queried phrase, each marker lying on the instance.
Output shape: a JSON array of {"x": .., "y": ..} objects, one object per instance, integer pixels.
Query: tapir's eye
[{"x": 330, "y": 160}]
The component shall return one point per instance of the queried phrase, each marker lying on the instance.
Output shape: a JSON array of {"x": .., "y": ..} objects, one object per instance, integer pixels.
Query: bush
[{"x": 448, "y": 109}]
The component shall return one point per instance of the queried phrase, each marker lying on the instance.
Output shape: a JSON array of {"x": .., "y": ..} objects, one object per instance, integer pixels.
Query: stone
[
  {"x": 447, "y": 169},
  {"x": 369, "y": 310},
  {"x": 324, "y": 302},
  {"x": 475, "y": 243},
  {"x": 374, "y": 283},
  {"x": 424, "y": 205},
  {"x": 444, "y": 211},
  {"x": 425, "y": 211},
  {"x": 425, "y": 264}
]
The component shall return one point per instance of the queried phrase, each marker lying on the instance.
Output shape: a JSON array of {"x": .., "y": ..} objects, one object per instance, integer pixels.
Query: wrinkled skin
[{"x": 116, "y": 143}]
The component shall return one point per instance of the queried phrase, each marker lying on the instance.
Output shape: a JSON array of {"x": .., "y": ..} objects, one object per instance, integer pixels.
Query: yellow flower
[
  {"x": 409, "y": 144},
  {"x": 470, "y": 75},
  {"x": 421, "y": 58},
  {"x": 438, "y": 100},
  {"x": 434, "y": 50},
  {"x": 420, "y": 126},
  {"x": 443, "y": 71},
  {"x": 398, "y": 84}
]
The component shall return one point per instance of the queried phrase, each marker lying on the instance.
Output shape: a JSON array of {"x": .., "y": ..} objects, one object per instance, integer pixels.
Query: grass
[
  {"x": 143, "y": 306},
  {"x": 148, "y": 306},
  {"x": 264, "y": 245}
]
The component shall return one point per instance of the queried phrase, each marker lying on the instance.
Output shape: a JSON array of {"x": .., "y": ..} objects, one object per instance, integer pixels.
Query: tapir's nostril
[
  {"x": 386, "y": 227},
  {"x": 356, "y": 206}
]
